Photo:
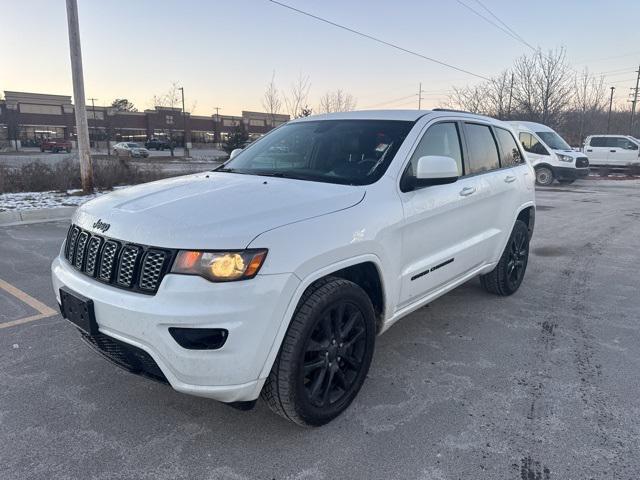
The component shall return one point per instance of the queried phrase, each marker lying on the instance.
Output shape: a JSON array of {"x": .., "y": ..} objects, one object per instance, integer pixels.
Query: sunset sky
[{"x": 224, "y": 52}]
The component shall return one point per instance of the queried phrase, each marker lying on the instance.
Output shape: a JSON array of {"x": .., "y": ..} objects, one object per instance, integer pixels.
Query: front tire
[
  {"x": 507, "y": 277},
  {"x": 325, "y": 355},
  {"x": 544, "y": 176}
]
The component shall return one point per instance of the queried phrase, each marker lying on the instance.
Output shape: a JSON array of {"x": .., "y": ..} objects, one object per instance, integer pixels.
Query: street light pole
[
  {"x": 184, "y": 126},
  {"x": 82, "y": 128},
  {"x": 216, "y": 133},
  {"x": 93, "y": 109},
  {"x": 610, "y": 106}
]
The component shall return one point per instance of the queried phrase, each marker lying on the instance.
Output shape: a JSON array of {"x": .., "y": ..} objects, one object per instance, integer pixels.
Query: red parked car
[{"x": 55, "y": 145}]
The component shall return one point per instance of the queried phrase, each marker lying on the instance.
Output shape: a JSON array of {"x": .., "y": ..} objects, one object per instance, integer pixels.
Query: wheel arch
[{"x": 364, "y": 270}]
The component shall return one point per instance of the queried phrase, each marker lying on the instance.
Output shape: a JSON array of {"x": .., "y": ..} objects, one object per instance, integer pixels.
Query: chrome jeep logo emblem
[{"x": 102, "y": 226}]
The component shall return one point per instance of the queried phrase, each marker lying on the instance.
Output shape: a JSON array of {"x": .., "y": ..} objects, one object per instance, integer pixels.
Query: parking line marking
[
  {"x": 20, "y": 321},
  {"x": 44, "y": 310}
]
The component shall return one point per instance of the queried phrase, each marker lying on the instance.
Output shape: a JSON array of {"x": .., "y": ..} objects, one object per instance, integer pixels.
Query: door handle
[
  {"x": 466, "y": 191},
  {"x": 589, "y": 150},
  {"x": 613, "y": 151},
  {"x": 510, "y": 179}
]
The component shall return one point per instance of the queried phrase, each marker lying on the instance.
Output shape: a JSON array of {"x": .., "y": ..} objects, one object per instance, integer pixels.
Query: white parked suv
[
  {"x": 273, "y": 274},
  {"x": 612, "y": 150},
  {"x": 551, "y": 157}
]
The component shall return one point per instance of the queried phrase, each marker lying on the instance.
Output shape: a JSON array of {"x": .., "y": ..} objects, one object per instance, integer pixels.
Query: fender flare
[{"x": 302, "y": 287}]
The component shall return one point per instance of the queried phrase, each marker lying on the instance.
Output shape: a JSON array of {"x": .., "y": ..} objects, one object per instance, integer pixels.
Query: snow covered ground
[{"x": 33, "y": 200}]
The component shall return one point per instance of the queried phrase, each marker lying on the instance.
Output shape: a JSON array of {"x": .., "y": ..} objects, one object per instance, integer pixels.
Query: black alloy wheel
[
  {"x": 334, "y": 354},
  {"x": 325, "y": 355},
  {"x": 507, "y": 276},
  {"x": 518, "y": 256}
]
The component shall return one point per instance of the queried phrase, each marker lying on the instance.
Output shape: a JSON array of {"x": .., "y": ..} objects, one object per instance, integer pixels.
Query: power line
[
  {"x": 488, "y": 20},
  {"x": 375, "y": 39},
  {"x": 390, "y": 101},
  {"x": 502, "y": 23}
]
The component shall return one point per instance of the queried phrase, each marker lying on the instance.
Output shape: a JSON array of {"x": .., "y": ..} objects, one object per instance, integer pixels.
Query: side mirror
[
  {"x": 436, "y": 170},
  {"x": 234, "y": 153}
]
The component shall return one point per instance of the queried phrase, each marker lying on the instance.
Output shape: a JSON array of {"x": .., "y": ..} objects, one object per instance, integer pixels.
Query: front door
[{"x": 445, "y": 229}]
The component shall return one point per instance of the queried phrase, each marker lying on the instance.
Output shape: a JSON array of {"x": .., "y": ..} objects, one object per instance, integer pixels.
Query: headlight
[
  {"x": 564, "y": 158},
  {"x": 220, "y": 266}
]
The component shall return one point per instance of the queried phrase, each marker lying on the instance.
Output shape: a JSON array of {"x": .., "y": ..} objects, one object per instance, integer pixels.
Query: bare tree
[
  {"x": 337, "y": 101},
  {"x": 171, "y": 98},
  {"x": 296, "y": 100},
  {"x": 554, "y": 85},
  {"x": 590, "y": 99},
  {"x": 271, "y": 100}
]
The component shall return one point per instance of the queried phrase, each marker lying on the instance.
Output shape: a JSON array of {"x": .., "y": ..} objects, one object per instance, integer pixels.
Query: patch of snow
[{"x": 36, "y": 200}]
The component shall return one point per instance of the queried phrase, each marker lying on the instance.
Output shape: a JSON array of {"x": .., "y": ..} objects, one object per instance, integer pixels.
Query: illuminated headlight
[
  {"x": 219, "y": 266},
  {"x": 564, "y": 158}
]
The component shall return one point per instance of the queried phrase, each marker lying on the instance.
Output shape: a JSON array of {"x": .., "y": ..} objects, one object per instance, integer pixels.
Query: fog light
[{"x": 199, "y": 338}]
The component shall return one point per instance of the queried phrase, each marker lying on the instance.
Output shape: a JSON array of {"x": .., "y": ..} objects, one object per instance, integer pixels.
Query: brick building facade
[{"x": 30, "y": 117}]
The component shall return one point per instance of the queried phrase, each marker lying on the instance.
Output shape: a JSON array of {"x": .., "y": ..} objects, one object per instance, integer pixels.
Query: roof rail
[{"x": 453, "y": 110}]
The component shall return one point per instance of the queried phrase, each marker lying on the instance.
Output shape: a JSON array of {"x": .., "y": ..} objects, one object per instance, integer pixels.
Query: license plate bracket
[{"x": 78, "y": 309}]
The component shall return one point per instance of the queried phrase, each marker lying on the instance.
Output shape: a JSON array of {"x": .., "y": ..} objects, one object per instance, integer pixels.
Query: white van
[
  {"x": 551, "y": 157},
  {"x": 612, "y": 150}
]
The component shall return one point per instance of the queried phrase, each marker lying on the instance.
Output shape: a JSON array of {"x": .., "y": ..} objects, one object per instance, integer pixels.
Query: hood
[
  {"x": 211, "y": 210},
  {"x": 569, "y": 153}
]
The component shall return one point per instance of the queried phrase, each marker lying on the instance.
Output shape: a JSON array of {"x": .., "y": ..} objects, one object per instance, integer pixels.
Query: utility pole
[
  {"x": 93, "y": 109},
  {"x": 510, "y": 98},
  {"x": 610, "y": 106},
  {"x": 184, "y": 127},
  {"x": 82, "y": 128},
  {"x": 634, "y": 101},
  {"x": 420, "y": 92}
]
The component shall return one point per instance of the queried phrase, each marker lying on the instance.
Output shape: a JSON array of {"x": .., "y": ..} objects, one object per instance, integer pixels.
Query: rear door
[
  {"x": 513, "y": 178},
  {"x": 597, "y": 151},
  {"x": 622, "y": 151}
]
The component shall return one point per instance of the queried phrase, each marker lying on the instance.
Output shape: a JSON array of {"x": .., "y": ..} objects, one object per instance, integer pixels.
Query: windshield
[
  {"x": 353, "y": 152},
  {"x": 553, "y": 140}
]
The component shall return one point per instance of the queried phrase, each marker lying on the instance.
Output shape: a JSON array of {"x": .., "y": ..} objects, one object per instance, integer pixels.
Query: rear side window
[
  {"x": 621, "y": 142},
  {"x": 440, "y": 139},
  {"x": 598, "y": 142},
  {"x": 509, "y": 152},
  {"x": 531, "y": 144},
  {"x": 483, "y": 151}
]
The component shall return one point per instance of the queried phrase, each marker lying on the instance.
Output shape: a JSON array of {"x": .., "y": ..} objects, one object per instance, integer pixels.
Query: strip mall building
[{"x": 31, "y": 117}]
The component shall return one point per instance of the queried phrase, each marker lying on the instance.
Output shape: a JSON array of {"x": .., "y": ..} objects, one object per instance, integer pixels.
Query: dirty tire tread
[
  {"x": 277, "y": 392},
  {"x": 495, "y": 281}
]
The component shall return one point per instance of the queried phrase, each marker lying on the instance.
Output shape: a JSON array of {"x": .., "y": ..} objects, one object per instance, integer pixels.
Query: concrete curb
[{"x": 39, "y": 215}]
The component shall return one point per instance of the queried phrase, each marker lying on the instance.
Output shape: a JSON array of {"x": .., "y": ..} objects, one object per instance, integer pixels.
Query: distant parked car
[
  {"x": 55, "y": 145},
  {"x": 612, "y": 150},
  {"x": 157, "y": 144},
  {"x": 130, "y": 149}
]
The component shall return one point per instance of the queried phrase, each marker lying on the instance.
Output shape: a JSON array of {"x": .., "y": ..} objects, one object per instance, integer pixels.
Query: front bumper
[
  {"x": 570, "y": 173},
  {"x": 252, "y": 311}
]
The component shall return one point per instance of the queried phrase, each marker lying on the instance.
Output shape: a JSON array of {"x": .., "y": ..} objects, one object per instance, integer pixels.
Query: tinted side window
[
  {"x": 509, "y": 152},
  {"x": 531, "y": 144},
  {"x": 483, "y": 151},
  {"x": 440, "y": 139},
  {"x": 621, "y": 142},
  {"x": 599, "y": 142}
]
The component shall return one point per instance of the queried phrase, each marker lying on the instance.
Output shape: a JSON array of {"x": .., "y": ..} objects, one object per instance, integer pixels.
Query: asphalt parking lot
[{"x": 538, "y": 386}]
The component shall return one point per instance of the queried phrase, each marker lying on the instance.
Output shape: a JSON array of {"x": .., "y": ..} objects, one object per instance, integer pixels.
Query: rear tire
[
  {"x": 325, "y": 355},
  {"x": 544, "y": 176},
  {"x": 507, "y": 277}
]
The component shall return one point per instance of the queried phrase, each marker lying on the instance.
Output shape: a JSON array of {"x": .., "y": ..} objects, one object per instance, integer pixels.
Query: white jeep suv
[{"x": 272, "y": 275}]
